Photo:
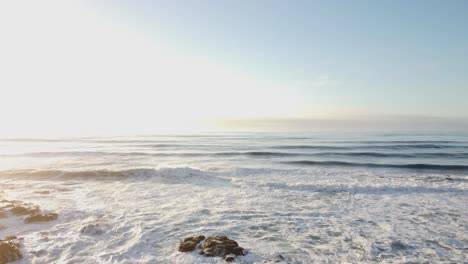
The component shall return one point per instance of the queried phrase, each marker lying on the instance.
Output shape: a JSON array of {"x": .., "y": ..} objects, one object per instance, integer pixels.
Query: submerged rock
[
  {"x": 276, "y": 259},
  {"x": 190, "y": 243},
  {"x": 2, "y": 214},
  {"x": 92, "y": 229},
  {"x": 42, "y": 192},
  {"x": 40, "y": 218},
  {"x": 9, "y": 249}
]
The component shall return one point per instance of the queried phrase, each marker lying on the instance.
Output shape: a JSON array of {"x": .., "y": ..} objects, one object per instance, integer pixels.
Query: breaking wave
[
  {"x": 419, "y": 166},
  {"x": 453, "y": 155},
  {"x": 178, "y": 172}
]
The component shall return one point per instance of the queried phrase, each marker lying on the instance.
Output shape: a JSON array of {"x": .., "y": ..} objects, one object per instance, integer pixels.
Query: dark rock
[
  {"x": 221, "y": 246},
  {"x": 40, "y": 218},
  {"x": 229, "y": 258},
  {"x": 9, "y": 249},
  {"x": 398, "y": 245},
  {"x": 190, "y": 243},
  {"x": 197, "y": 239},
  {"x": 187, "y": 246}
]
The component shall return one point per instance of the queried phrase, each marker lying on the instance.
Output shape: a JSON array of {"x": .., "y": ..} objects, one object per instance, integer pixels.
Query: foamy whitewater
[{"x": 311, "y": 198}]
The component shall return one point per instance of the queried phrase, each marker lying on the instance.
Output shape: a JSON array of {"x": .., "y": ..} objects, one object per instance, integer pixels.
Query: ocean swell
[{"x": 416, "y": 166}]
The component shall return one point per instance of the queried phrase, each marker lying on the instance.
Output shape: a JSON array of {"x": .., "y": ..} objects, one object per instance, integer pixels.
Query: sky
[{"x": 121, "y": 67}]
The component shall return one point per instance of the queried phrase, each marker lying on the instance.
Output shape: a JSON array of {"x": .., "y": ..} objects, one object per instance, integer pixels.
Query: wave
[
  {"x": 168, "y": 175},
  {"x": 266, "y": 154},
  {"x": 389, "y": 147},
  {"x": 174, "y": 154},
  {"x": 91, "y": 173},
  {"x": 259, "y": 154},
  {"x": 393, "y": 155},
  {"x": 91, "y": 141},
  {"x": 418, "y": 166},
  {"x": 401, "y": 141},
  {"x": 98, "y": 153},
  {"x": 413, "y": 146},
  {"x": 311, "y": 147},
  {"x": 346, "y": 154}
]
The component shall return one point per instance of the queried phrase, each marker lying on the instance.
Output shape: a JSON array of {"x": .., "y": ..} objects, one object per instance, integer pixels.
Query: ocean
[{"x": 309, "y": 197}]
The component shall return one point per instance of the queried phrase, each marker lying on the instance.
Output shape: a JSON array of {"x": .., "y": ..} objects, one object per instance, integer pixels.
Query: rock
[
  {"x": 42, "y": 192},
  {"x": 221, "y": 246},
  {"x": 22, "y": 210},
  {"x": 39, "y": 253},
  {"x": 187, "y": 246},
  {"x": 229, "y": 258},
  {"x": 9, "y": 249},
  {"x": 9, "y": 203},
  {"x": 277, "y": 259},
  {"x": 19, "y": 208},
  {"x": 190, "y": 243},
  {"x": 92, "y": 229},
  {"x": 40, "y": 218},
  {"x": 218, "y": 246}
]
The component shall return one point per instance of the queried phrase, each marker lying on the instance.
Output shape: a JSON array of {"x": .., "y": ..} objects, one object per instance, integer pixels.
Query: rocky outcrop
[
  {"x": 217, "y": 246},
  {"x": 221, "y": 246},
  {"x": 9, "y": 249},
  {"x": 40, "y": 218},
  {"x": 190, "y": 243},
  {"x": 18, "y": 207},
  {"x": 25, "y": 209}
]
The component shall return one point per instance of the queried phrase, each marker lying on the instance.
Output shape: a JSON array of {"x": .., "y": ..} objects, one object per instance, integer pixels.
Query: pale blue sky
[
  {"x": 392, "y": 57},
  {"x": 178, "y": 66}
]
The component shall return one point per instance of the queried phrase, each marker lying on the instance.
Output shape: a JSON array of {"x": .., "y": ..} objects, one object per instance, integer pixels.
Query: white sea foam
[
  {"x": 123, "y": 213},
  {"x": 329, "y": 215}
]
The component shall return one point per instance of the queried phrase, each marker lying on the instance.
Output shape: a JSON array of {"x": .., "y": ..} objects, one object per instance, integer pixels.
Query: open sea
[{"x": 311, "y": 198}]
